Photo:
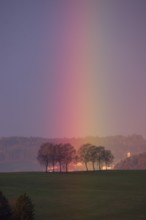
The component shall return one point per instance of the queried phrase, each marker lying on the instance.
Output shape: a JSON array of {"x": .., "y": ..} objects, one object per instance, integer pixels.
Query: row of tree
[
  {"x": 96, "y": 155},
  {"x": 51, "y": 154}
]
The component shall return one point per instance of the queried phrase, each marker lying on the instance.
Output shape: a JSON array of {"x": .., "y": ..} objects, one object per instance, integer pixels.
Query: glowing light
[
  {"x": 128, "y": 154},
  {"x": 79, "y": 164}
]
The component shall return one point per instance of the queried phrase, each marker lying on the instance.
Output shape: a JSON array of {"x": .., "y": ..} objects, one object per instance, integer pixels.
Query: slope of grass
[{"x": 105, "y": 195}]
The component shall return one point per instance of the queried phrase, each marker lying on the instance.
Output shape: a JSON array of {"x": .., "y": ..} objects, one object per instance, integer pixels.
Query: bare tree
[
  {"x": 64, "y": 154},
  {"x": 84, "y": 155},
  {"x": 69, "y": 155},
  {"x": 59, "y": 155},
  {"x": 92, "y": 152},
  {"x": 108, "y": 158},
  {"x": 100, "y": 156},
  {"x": 46, "y": 155},
  {"x": 50, "y": 154}
]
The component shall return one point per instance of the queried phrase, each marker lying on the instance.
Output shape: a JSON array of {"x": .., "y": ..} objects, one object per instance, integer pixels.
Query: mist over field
[{"x": 20, "y": 153}]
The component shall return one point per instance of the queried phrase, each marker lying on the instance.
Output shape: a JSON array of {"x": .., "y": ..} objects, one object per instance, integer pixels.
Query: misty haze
[{"x": 72, "y": 110}]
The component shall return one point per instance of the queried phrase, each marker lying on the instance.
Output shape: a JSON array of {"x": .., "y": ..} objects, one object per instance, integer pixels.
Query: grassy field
[{"x": 105, "y": 195}]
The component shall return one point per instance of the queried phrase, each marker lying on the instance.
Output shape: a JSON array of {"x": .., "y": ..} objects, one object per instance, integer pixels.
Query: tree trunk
[
  {"x": 86, "y": 166},
  {"x": 60, "y": 167},
  {"x": 99, "y": 165},
  {"x": 93, "y": 166},
  {"x": 66, "y": 167},
  {"x": 53, "y": 165},
  {"x": 106, "y": 165},
  {"x": 46, "y": 168}
]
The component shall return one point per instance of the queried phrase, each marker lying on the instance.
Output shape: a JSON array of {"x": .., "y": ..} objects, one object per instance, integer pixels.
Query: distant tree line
[{"x": 50, "y": 155}]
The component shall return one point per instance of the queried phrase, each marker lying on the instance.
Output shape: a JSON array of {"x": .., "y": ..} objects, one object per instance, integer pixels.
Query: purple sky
[{"x": 29, "y": 31}]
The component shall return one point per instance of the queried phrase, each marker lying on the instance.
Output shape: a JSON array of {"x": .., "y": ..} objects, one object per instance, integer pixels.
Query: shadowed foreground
[{"x": 101, "y": 195}]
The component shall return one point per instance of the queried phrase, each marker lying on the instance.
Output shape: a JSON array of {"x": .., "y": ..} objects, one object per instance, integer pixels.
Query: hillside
[
  {"x": 136, "y": 162},
  {"x": 19, "y": 153}
]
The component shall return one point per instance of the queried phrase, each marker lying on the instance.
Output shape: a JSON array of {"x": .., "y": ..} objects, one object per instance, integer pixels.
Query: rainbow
[{"x": 77, "y": 68}]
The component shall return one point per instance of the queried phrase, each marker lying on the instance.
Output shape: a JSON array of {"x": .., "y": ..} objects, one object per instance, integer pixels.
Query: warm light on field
[
  {"x": 79, "y": 164},
  {"x": 50, "y": 169},
  {"x": 107, "y": 168}
]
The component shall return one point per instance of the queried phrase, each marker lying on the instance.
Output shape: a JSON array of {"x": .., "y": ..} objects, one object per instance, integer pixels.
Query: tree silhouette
[
  {"x": 94, "y": 154},
  {"x": 5, "y": 210},
  {"x": 46, "y": 155},
  {"x": 69, "y": 154},
  {"x": 84, "y": 155},
  {"x": 108, "y": 158},
  {"x": 100, "y": 156},
  {"x": 24, "y": 209},
  {"x": 63, "y": 154},
  {"x": 59, "y": 155}
]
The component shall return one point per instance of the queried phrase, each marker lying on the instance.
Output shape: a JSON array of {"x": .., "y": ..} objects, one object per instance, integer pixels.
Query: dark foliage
[
  {"x": 24, "y": 209},
  {"x": 5, "y": 211},
  {"x": 93, "y": 154},
  {"x": 50, "y": 154}
]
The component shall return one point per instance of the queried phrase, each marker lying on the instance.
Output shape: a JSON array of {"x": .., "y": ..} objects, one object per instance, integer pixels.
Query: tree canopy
[
  {"x": 93, "y": 154},
  {"x": 50, "y": 154},
  {"x": 60, "y": 155}
]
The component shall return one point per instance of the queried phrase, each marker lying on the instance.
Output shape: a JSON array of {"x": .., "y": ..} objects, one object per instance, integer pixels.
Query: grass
[{"x": 105, "y": 195}]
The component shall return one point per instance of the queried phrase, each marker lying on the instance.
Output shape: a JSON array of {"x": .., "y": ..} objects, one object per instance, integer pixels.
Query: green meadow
[{"x": 104, "y": 195}]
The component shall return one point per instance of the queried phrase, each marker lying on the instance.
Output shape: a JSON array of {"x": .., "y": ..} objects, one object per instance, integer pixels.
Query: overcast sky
[{"x": 72, "y": 68}]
